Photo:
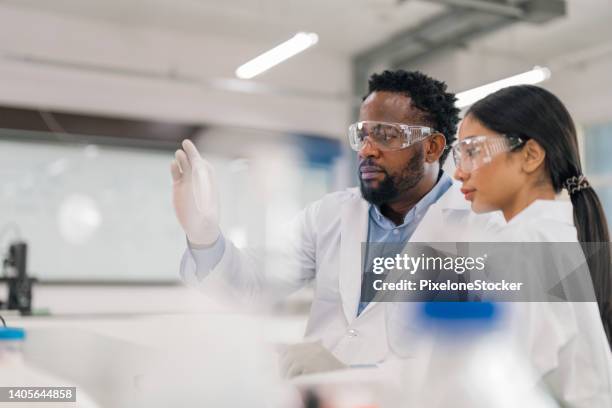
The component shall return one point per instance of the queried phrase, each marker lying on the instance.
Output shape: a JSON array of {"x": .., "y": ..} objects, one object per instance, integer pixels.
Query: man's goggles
[{"x": 386, "y": 136}]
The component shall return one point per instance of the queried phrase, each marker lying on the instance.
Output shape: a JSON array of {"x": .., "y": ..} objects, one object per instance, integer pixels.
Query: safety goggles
[
  {"x": 476, "y": 151},
  {"x": 386, "y": 136}
]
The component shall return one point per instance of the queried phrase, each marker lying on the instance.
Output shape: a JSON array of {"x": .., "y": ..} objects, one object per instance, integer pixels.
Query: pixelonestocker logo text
[
  {"x": 475, "y": 272},
  {"x": 456, "y": 264}
]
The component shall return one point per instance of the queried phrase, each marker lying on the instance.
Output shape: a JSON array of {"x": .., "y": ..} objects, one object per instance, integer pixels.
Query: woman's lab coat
[
  {"x": 324, "y": 244},
  {"x": 565, "y": 341}
]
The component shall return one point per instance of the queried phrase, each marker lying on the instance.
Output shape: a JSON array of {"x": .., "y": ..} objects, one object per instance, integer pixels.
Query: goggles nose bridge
[
  {"x": 366, "y": 133},
  {"x": 367, "y": 139}
]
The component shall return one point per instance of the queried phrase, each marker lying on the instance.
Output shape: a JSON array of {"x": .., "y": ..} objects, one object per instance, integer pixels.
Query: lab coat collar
[
  {"x": 354, "y": 229},
  {"x": 558, "y": 210}
]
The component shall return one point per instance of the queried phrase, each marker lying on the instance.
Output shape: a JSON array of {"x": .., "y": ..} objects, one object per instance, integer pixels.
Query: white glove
[
  {"x": 307, "y": 358},
  {"x": 195, "y": 196}
]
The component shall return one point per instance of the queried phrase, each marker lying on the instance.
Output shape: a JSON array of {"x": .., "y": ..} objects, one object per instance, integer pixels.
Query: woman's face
[{"x": 492, "y": 185}]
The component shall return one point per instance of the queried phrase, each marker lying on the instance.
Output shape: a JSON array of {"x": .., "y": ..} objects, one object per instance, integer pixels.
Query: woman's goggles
[{"x": 476, "y": 151}]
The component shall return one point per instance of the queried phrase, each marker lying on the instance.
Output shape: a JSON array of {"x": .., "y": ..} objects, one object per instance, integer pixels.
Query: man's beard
[{"x": 391, "y": 187}]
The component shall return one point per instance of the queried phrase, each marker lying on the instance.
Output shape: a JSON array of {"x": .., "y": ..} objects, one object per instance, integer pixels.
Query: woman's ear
[
  {"x": 435, "y": 148},
  {"x": 533, "y": 155}
]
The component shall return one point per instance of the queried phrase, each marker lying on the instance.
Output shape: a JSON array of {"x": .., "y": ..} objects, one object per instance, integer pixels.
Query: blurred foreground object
[
  {"x": 202, "y": 360},
  {"x": 15, "y": 372},
  {"x": 308, "y": 358},
  {"x": 471, "y": 362}
]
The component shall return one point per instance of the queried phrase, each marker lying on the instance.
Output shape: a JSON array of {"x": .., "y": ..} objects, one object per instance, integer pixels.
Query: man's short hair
[{"x": 428, "y": 95}]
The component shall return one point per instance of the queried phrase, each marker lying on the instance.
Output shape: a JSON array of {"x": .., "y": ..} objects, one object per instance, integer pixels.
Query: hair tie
[{"x": 576, "y": 183}]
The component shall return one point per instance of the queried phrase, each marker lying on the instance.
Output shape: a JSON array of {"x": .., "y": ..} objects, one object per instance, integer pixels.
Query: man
[{"x": 407, "y": 122}]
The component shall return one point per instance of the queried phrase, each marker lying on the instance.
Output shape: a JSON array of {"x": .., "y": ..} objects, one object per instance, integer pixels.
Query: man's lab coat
[{"x": 324, "y": 245}]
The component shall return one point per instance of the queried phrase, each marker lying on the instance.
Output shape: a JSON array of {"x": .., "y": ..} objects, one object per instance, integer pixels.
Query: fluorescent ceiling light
[
  {"x": 276, "y": 55},
  {"x": 535, "y": 76}
]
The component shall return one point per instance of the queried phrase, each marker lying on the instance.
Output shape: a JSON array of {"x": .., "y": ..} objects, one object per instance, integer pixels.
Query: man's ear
[
  {"x": 434, "y": 148},
  {"x": 533, "y": 155}
]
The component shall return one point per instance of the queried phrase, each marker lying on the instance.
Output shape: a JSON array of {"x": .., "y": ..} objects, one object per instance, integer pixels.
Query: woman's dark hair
[{"x": 534, "y": 113}]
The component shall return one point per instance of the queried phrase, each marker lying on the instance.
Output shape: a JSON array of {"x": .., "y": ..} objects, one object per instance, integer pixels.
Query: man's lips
[
  {"x": 468, "y": 193},
  {"x": 370, "y": 172}
]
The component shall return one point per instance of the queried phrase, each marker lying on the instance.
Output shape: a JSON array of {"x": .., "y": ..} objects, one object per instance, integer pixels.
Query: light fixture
[
  {"x": 535, "y": 76},
  {"x": 298, "y": 43}
]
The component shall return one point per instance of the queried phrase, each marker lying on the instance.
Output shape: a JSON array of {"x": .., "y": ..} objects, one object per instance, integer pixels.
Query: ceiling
[
  {"x": 344, "y": 26},
  {"x": 577, "y": 47},
  {"x": 586, "y": 25}
]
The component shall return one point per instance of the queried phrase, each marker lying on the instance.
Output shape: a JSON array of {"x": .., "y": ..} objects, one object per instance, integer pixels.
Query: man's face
[{"x": 385, "y": 175}]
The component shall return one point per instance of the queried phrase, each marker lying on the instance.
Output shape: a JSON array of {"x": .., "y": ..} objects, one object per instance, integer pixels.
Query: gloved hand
[
  {"x": 307, "y": 358},
  {"x": 195, "y": 195}
]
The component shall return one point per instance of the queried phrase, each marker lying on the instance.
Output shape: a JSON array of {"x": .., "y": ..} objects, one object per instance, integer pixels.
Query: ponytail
[{"x": 592, "y": 226}]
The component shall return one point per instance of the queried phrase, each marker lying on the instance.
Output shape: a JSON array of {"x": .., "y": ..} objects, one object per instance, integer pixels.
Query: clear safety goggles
[
  {"x": 385, "y": 135},
  {"x": 476, "y": 151}
]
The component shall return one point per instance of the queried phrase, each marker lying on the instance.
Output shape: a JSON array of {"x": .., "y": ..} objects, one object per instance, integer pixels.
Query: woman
[{"x": 517, "y": 151}]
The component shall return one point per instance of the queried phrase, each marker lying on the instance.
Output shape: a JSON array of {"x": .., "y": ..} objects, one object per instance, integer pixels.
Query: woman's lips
[{"x": 468, "y": 193}]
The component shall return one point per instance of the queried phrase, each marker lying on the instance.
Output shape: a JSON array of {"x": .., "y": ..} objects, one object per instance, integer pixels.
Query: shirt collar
[{"x": 443, "y": 184}]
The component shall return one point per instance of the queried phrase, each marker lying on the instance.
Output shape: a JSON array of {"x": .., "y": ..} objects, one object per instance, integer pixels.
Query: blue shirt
[{"x": 382, "y": 229}]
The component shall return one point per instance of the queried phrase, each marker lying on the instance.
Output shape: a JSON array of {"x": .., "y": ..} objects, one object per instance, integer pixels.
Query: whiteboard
[
  {"x": 91, "y": 212},
  {"x": 104, "y": 213}
]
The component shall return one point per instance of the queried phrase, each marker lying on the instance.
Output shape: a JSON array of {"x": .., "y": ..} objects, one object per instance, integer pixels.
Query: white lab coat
[
  {"x": 565, "y": 342},
  {"x": 324, "y": 244}
]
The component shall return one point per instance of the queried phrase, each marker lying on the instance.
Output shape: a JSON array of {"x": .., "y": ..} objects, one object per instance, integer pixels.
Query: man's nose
[{"x": 368, "y": 149}]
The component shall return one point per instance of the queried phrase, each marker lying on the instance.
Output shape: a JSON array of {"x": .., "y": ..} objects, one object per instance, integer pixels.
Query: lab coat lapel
[
  {"x": 354, "y": 228},
  {"x": 432, "y": 226}
]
